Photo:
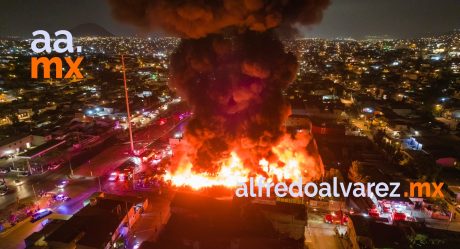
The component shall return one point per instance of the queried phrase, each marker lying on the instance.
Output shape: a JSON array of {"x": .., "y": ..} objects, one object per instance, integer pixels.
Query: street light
[
  {"x": 99, "y": 181},
  {"x": 89, "y": 166}
]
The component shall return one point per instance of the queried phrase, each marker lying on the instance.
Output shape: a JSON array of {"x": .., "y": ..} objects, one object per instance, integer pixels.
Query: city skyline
[
  {"x": 347, "y": 18},
  {"x": 226, "y": 129}
]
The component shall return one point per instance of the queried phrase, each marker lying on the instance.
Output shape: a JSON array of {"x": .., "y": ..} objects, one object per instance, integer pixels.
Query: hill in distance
[{"x": 90, "y": 29}]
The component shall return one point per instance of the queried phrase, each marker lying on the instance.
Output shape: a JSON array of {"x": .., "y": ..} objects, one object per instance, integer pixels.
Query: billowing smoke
[
  {"x": 230, "y": 67},
  {"x": 235, "y": 86},
  {"x": 199, "y": 18}
]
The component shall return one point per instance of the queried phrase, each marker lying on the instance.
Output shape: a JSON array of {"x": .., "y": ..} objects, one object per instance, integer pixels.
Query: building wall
[
  {"x": 298, "y": 122},
  {"x": 24, "y": 114},
  {"x": 22, "y": 144},
  {"x": 357, "y": 240},
  {"x": 131, "y": 218},
  {"x": 352, "y": 235},
  {"x": 325, "y": 130},
  {"x": 16, "y": 146},
  {"x": 5, "y": 121}
]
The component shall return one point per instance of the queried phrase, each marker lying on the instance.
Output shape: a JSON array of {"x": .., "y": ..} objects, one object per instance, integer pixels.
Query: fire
[{"x": 293, "y": 161}]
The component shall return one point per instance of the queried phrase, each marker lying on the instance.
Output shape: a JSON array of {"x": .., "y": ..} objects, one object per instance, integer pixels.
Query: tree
[
  {"x": 378, "y": 137},
  {"x": 426, "y": 168},
  {"x": 356, "y": 172},
  {"x": 331, "y": 173},
  {"x": 422, "y": 241}
]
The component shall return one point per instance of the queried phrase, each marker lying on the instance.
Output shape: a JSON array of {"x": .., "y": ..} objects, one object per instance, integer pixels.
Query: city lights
[{"x": 229, "y": 124}]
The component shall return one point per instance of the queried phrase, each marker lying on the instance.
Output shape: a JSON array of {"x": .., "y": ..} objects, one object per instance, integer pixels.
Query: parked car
[
  {"x": 113, "y": 176},
  {"x": 23, "y": 173},
  {"x": 40, "y": 214},
  {"x": 47, "y": 194},
  {"x": 62, "y": 184},
  {"x": 18, "y": 182},
  {"x": 3, "y": 191},
  {"x": 121, "y": 177},
  {"x": 336, "y": 217},
  {"x": 4, "y": 170},
  {"x": 61, "y": 197}
]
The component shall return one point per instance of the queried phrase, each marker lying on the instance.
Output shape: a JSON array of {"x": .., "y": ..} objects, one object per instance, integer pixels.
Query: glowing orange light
[{"x": 293, "y": 162}]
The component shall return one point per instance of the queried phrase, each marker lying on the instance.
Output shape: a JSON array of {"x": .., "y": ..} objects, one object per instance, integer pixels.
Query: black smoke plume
[
  {"x": 199, "y": 18},
  {"x": 230, "y": 67}
]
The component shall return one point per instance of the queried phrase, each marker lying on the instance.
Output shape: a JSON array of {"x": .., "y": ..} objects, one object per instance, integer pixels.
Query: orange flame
[{"x": 293, "y": 162}]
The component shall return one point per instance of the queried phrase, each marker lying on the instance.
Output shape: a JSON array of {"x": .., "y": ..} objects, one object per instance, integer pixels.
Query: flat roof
[
  {"x": 42, "y": 148},
  {"x": 382, "y": 235},
  {"x": 455, "y": 189},
  {"x": 12, "y": 139},
  {"x": 94, "y": 223},
  {"x": 214, "y": 223}
]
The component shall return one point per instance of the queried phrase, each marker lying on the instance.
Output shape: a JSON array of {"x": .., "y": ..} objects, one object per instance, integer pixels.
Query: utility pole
[
  {"x": 90, "y": 169},
  {"x": 99, "y": 180},
  {"x": 134, "y": 174},
  {"x": 70, "y": 166},
  {"x": 127, "y": 105},
  {"x": 129, "y": 117},
  {"x": 35, "y": 194},
  {"x": 28, "y": 166}
]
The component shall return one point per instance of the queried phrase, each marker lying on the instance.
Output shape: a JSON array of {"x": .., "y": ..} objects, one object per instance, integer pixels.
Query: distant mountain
[{"x": 90, "y": 29}]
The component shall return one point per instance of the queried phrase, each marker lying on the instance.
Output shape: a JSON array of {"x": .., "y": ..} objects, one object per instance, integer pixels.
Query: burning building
[{"x": 232, "y": 69}]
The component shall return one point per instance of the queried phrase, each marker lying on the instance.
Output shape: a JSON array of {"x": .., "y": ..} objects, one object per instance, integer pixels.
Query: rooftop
[
  {"x": 12, "y": 139},
  {"x": 216, "y": 224},
  {"x": 42, "y": 148},
  {"x": 382, "y": 235},
  {"x": 94, "y": 224}
]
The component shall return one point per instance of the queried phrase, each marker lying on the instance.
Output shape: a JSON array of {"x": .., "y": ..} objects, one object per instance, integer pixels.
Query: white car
[
  {"x": 61, "y": 197},
  {"x": 62, "y": 184},
  {"x": 121, "y": 177},
  {"x": 18, "y": 182},
  {"x": 113, "y": 176},
  {"x": 40, "y": 214}
]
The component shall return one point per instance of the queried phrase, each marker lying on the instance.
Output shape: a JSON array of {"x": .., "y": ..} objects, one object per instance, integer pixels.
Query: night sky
[{"x": 344, "y": 18}]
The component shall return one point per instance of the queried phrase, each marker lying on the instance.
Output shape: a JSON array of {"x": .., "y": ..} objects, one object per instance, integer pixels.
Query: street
[
  {"x": 320, "y": 235},
  {"x": 87, "y": 178}
]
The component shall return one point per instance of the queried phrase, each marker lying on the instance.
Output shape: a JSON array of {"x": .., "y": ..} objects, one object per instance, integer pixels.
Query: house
[
  {"x": 42, "y": 149},
  {"x": 325, "y": 127},
  {"x": 37, "y": 239},
  {"x": 16, "y": 144},
  {"x": 5, "y": 120},
  {"x": 24, "y": 115}
]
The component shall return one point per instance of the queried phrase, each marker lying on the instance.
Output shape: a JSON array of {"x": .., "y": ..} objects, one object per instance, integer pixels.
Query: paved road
[
  {"x": 87, "y": 179},
  {"x": 152, "y": 221},
  {"x": 35, "y": 184},
  {"x": 110, "y": 156},
  {"x": 15, "y": 237},
  {"x": 320, "y": 235}
]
